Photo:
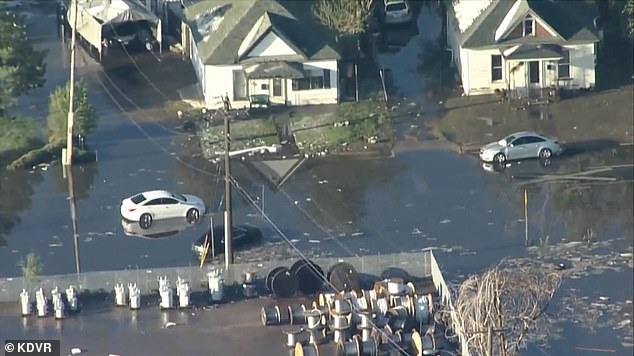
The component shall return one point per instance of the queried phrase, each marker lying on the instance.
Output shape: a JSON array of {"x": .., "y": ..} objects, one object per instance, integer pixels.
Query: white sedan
[{"x": 161, "y": 204}]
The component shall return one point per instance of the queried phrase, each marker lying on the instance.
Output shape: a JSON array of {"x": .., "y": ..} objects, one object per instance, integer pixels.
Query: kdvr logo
[{"x": 32, "y": 347}]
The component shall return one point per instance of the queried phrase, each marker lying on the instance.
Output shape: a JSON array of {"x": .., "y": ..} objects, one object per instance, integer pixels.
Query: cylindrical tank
[{"x": 25, "y": 303}]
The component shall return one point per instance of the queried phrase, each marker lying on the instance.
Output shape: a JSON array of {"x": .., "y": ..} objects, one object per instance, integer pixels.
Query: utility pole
[
  {"x": 68, "y": 160},
  {"x": 228, "y": 222},
  {"x": 73, "y": 214}
]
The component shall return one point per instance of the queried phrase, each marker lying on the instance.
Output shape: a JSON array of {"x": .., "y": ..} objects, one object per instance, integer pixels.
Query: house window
[
  {"x": 563, "y": 67},
  {"x": 496, "y": 67},
  {"x": 314, "y": 79},
  {"x": 529, "y": 26}
]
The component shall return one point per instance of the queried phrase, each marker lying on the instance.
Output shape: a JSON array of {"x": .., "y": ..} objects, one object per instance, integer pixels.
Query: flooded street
[{"x": 471, "y": 214}]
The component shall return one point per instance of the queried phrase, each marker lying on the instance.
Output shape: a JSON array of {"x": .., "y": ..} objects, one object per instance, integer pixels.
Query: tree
[
  {"x": 499, "y": 309},
  {"x": 345, "y": 17},
  {"x": 628, "y": 11},
  {"x": 31, "y": 267},
  {"x": 21, "y": 66},
  {"x": 17, "y": 133},
  {"x": 59, "y": 102}
]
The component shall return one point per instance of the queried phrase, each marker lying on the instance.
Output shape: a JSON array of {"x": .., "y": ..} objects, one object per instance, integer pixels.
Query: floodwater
[{"x": 472, "y": 215}]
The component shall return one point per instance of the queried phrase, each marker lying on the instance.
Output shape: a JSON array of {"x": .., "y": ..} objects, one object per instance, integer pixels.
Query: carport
[{"x": 98, "y": 17}]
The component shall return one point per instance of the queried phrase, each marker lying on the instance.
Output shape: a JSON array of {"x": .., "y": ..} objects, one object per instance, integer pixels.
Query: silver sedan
[{"x": 520, "y": 145}]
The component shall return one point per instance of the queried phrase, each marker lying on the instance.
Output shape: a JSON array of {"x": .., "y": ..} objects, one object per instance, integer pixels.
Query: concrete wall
[{"x": 416, "y": 264}]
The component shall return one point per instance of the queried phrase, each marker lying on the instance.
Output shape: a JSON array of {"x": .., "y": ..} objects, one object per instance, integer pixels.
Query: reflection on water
[
  {"x": 334, "y": 190},
  {"x": 160, "y": 228},
  {"x": 83, "y": 179},
  {"x": 582, "y": 197},
  {"x": 16, "y": 189}
]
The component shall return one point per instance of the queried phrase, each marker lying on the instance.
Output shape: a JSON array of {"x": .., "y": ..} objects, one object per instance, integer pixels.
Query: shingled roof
[
  {"x": 571, "y": 20},
  {"x": 220, "y": 26}
]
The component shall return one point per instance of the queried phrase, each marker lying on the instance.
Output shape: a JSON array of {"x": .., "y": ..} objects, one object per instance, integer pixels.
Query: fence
[
  {"x": 445, "y": 298},
  {"x": 416, "y": 264}
]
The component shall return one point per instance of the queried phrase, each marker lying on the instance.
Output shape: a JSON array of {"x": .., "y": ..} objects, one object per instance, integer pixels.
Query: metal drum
[
  {"x": 270, "y": 315},
  {"x": 343, "y": 277},
  {"x": 349, "y": 348},
  {"x": 307, "y": 350},
  {"x": 422, "y": 309},
  {"x": 397, "y": 318},
  {"x": 282, "y": 283},
  {"x": 297, "y": 314},
  {"x": 293, "y": 337},
  {"x": 369, "y": 347},
  {"x": 310, "y": 277}
]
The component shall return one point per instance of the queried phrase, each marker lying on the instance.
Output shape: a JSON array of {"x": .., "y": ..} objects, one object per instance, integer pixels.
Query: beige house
[
  {"x": 523, "y": 46},
  {"x": 260, "y": 52}
]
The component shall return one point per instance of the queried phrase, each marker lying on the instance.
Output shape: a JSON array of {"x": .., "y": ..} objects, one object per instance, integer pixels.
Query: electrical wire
[
  {"x": 312, "y": 268},
  {"x": 233, "y": 181}
]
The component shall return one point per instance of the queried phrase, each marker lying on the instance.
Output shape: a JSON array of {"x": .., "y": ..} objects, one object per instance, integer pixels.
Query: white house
[
  {"x": 260, "y": 51},
  {"x": 522, "y": 46}
]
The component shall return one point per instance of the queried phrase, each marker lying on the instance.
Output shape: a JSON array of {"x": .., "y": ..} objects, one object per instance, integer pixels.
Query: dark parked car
[{"x": 242, "y": 235}]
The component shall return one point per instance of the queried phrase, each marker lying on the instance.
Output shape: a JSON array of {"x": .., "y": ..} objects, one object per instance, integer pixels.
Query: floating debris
[
  {"x": 416, "y": 231},
  {"x": 314, "y": 241},
  {"x": 88, "y": 239},
  {"x": 445, "y": 221},
  {"x": 308, "y": 199},
  {"x": 358, "y": 233},
  {"x": 325, "y": 181}
]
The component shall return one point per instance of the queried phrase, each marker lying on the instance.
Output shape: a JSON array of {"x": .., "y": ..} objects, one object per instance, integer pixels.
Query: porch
[
  {"x": 266, "y": 84},
  {"x": 534, "y": 72}
]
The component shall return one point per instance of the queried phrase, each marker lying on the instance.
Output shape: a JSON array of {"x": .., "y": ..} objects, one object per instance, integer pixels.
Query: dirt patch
[{"x": 472, "y": 121}]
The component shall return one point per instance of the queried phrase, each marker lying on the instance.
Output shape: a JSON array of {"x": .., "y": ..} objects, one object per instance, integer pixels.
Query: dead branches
[{"x": 499, "y": 308}]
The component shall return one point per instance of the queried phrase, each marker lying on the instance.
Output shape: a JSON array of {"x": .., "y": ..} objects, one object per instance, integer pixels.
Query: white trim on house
[
  {"x": 269, "y": 46},
  {"x": 474, "y": 66},
  {"x": 505, "y": 26}
]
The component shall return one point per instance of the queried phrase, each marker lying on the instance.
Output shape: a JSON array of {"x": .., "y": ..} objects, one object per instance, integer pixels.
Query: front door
[
  {"x": 277, "y": 87},
  {"x": 534, "y": 79},
  {"x": 533, "y": 73}
]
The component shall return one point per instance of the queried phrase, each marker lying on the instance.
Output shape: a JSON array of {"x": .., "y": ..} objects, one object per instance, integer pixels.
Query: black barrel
[
  {"x": 270, "y": 276},
  {"x": 283, "y": 283},
  {"x": 310, "y": 277},
  {"x": 343, "y": 277}
]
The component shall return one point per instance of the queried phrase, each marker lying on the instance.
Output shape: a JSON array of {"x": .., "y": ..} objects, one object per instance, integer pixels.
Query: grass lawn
[
  {"x": 472, "y": 121},
  {"x": 348, "y": 123}
]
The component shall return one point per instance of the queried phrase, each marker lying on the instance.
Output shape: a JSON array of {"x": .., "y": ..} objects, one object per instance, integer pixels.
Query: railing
[{"x": 445, "y": 298}]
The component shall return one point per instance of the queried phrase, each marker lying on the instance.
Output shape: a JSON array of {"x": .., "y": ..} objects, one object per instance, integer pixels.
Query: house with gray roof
[
  {"x": 523, "y": 46},
  {"x": 265, "y": 52}
]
